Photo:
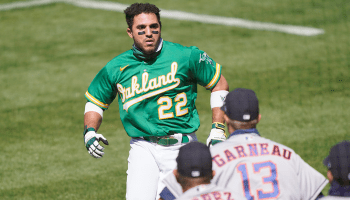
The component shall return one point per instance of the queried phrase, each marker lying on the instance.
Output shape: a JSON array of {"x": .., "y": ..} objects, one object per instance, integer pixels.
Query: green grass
[{"x": 50, "y": 54}]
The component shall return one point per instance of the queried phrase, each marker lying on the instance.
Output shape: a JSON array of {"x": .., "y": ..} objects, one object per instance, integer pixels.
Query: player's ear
[
  {"x": 214, "y": 173},
  {"x": 129, "y": 31},
  {"x": 259, "y": 118},
  {"x": 175, "y": 172},
  {"x": 330, "y": 176}
]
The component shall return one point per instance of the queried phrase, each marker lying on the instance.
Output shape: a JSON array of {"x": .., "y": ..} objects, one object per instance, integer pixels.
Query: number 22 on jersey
[
  {"x": 166, "y": 104},
  {"x": 270, "y": 181}
]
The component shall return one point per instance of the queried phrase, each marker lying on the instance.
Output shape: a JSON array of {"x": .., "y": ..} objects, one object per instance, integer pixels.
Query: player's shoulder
[
  {"x": 250, "y": 141},
  {"x": 119, "y": 61},
  {"x": 195, "y": 54},
  {"x": 121, "y": 58},
  {"x": 249, "y": 138},
  {"x": 176, "y": 46},
  {"x": 263, "y": 139}
]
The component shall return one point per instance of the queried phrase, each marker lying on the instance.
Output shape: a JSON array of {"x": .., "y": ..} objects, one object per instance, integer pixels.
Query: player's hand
[
  {"x": 216, "y": 136},
  {"x": 91, "y": 139}
]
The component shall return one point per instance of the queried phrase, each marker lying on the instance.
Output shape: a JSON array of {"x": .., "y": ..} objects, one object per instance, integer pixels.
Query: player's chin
[{"x": 149, "y": 49}]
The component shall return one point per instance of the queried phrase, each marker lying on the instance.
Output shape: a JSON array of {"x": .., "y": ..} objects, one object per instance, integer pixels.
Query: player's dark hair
[{"x": 138, "y": 8}]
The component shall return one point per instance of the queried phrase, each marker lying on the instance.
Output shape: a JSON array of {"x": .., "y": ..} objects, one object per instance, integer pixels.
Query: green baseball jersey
[{"x": 156, "y": 96}]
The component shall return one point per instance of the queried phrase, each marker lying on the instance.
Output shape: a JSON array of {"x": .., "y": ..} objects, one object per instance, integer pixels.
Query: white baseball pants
[{"x": 148, "y": 163}]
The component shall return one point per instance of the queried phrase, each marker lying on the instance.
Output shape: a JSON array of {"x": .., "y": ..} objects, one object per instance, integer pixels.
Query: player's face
[{"x": 145, "y": 32}]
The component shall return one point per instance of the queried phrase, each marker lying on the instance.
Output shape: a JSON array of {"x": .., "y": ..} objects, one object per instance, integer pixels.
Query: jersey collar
[
  {"x": 140, "y": 55},
  {"x": 244, "y": 131},
  {"x": 338, "y": 190}
]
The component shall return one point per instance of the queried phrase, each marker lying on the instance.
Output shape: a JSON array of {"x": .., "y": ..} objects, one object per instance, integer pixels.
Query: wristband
[
  {"x": 217, "y": 98},
  {"x": 92, "y": 107},
  {"x": 218, "y": 125},
  {"x": 86, "y": 129}
]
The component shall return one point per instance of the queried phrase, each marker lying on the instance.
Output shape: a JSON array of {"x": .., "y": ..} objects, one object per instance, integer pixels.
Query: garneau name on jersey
[
  {"x": 259, "y": 168},
  {"x": 250, "y": 150}
]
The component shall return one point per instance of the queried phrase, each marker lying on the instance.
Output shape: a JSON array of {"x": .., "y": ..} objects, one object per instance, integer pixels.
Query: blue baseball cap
[
  {"x": 338, "y": 162},
  {"x": 241, "y": 104},
  {"x": 194, "y": 160}
]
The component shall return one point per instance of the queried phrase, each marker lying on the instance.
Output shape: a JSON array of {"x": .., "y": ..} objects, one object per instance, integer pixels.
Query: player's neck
[
  {"x": 244, "y": 131},
  {"x": 138, "y": 53}
]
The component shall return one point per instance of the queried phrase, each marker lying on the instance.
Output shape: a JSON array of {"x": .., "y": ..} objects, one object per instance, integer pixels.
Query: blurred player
[
  {"x": 338, "y": 164},
  {"x": 155, "y": 83},
  {"x": 253, "y": 166},
  {"x": 194, "y": 173}
]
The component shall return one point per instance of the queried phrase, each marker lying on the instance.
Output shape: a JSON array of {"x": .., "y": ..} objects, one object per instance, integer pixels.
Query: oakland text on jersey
[
  {"x": 250, "y": 150},
  {"x": 148, "y": 85}
]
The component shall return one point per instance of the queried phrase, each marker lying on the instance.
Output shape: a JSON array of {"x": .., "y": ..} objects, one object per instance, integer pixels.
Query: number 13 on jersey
[{"x": 255, "y": 170}]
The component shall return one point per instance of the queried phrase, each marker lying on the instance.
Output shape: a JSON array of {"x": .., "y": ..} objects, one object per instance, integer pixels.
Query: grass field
[{"x": 50, "y": 54}]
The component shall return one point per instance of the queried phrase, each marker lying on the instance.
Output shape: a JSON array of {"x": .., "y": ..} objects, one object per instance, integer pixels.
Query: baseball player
[
  {"x": 256, "y": 167},
  {"x": 194, "y": 173},
  {"x": 338, "y": 164},
  {"x": 155, "y": 84},
  {"x": 253, "y": 166}
]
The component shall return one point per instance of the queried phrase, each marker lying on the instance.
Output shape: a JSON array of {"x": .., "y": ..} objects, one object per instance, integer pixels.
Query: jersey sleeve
[
  {"x": 204, "y": 69},
  {"x": 311, "y": 182},
  {"x": 102, "y": 91}
]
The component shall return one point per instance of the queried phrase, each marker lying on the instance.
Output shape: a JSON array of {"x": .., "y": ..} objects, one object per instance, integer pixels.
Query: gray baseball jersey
[
  {"x": 172, "y": 188},
  {"x": 207, "y": 192},
  {"x": 259, "y": 168}
]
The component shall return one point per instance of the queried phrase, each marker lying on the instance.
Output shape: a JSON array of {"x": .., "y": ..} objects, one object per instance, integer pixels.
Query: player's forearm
[
  {"x": 217, "y": 113},
  {"x": 92, "y": 119}
]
